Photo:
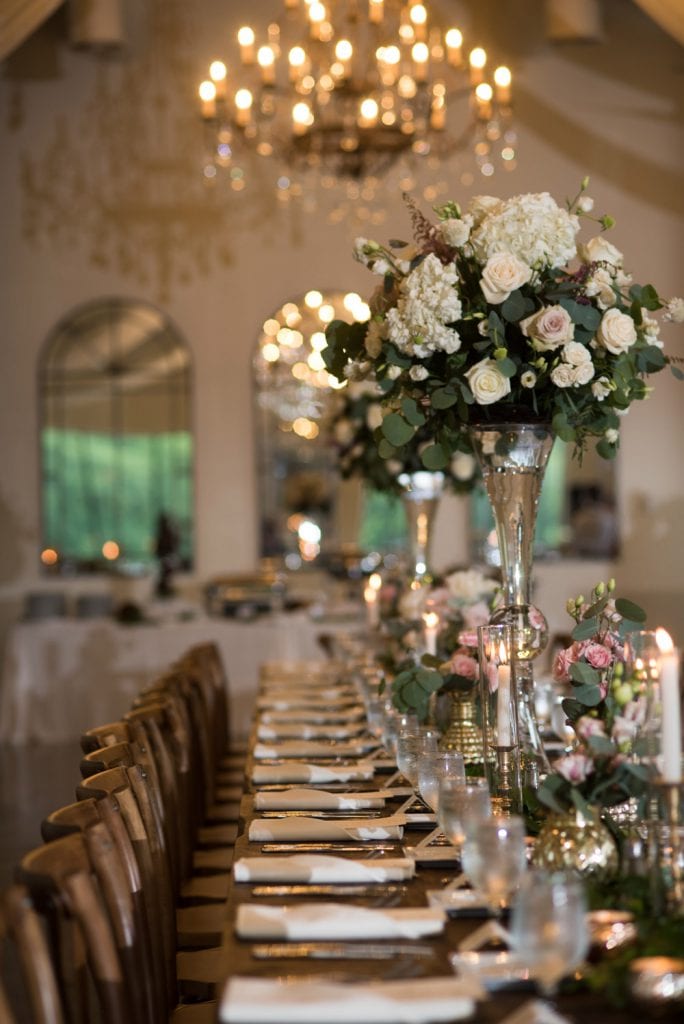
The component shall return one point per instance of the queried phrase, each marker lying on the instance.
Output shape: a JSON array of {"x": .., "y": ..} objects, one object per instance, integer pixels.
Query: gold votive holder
[
  {"x": 609, "y": 931},
  {"x": 657, "y": 982}
]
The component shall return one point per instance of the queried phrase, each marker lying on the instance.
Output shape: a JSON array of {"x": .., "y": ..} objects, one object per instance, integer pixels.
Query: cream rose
[
  {"x": 563, "y": 375},
  {"x": 616, "y": 332},
  {"x": 576, "y": 353},
  {"x": 600, "y": 250},
  {"x": 455, "y": 232},
  {"x": 501, "y": 275},
  {"x": 487, "y": 382},
  {"x": 548, "y": 328}
]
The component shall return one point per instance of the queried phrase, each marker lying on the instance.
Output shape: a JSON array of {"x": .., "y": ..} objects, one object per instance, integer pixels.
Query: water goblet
[
  {"x": 460, "y": 806},
  {"x": 494, "y": 858},
  {"x": 408, "y": 752},
  {"x": 549, "y": 927},
  {"x": 435, "y": 766}
]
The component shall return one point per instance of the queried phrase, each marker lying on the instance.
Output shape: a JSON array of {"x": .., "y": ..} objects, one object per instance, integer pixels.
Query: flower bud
[
  {"x": 570, "y": 606},
  {"x": 579, "y": 601},
  {"x": 607, "y": 221},
  {"x": 500, "y": 353},
  {"x": 600, "y": 589},
  {"x": 611, "y": 585},
  {"x": 618, "y": 670},
  {"x": 584, "y": 183}
]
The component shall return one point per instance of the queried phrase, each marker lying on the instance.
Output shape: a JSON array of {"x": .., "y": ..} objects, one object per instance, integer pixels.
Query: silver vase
[
  {"x": 513, "y": 458},
  {"x": 421, "y": 492}
]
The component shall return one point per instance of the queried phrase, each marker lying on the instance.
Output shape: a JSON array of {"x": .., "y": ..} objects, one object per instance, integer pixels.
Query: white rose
[
  {"x": 600, "y": 388},
  {"x": 455, "y": 232},
  {"x": 393, "y": 372},
  {"x": 611, "y": 435},
  {"x": 563, "y": 375},
  {"x": 674, "y": 311},
  {"x": 583, "y": 373},
  {"x": 548, "y": 328},
  {"x": 616, "y": 332},
  {"x": 487, "y": 382},
  {"x": 600, "y": 250},
  {"x": 418, "y": 373},
  {"x": 601, "y": 284},
  {"x": 586, "y": 204},
  {"x": 528, "y": 379},
  {"x": 501, "y": 275},
  {"x": 576, "y": 353},
  {"x": 374, "y": 416}
]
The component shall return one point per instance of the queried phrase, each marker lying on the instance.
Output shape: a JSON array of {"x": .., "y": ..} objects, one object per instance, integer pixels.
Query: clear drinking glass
[
  {"x": 435, "y": 766},
  {"x": 460, "y": 806},
  {"x": 548, "y": 926},
  {"x": 494, "y": 858},
  {"x": 408, "y": 753}
]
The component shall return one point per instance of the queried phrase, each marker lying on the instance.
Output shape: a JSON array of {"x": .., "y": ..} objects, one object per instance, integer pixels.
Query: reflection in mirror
[{"x": 116, "y": 441}]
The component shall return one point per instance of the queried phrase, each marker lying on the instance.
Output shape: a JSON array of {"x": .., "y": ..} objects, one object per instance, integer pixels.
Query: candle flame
[
  {"x": 431, "y": 619},
  {"x": 503, "y": 654},
  {"x": 375, "y": 581},
  {"x": 664, "y": 641}
]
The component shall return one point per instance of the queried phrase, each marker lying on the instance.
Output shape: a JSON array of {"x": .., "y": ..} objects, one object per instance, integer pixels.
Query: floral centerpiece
[
  {"x": 606, "y": 709},
  {"x": 462, "y": 602},
  {"x": 355, "y": 428},
  {"x": 488, "y": 317}
]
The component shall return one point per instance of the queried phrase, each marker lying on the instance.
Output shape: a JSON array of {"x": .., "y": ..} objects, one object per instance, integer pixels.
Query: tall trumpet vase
[
  {"x": 421, "y": 492},
  {"x": 513, "y": 458}
]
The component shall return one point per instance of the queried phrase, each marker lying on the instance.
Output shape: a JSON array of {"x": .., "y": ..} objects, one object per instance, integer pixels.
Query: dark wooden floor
[{"x": 34, "y": 780}]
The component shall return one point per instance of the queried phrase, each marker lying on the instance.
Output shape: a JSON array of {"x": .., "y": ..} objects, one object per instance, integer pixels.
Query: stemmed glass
[
  {"x": 548, "y": 926},
  {"x": 494, "y": 858}
]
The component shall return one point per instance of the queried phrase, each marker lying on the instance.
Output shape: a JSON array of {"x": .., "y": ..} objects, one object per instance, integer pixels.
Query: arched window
[{"x": 116, "y": 439}]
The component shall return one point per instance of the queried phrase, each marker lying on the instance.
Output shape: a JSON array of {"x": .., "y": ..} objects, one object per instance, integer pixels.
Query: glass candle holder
[{"x": 500, "y": 732}]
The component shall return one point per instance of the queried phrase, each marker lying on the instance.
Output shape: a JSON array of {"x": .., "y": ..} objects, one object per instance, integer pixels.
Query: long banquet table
[{"x": 238, "y": 954}]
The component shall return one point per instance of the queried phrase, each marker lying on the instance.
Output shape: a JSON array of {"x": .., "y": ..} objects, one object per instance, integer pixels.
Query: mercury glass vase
[
  {"x": 513, "y": 458},
  {"x": 421, "y": 492}
]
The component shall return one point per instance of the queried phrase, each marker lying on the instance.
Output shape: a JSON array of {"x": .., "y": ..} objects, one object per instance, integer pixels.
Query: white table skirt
[{"x": 63, "y": 676}]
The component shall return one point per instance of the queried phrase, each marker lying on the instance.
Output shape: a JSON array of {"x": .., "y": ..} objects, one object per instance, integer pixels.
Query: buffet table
[{"x": 62, "y": 676}]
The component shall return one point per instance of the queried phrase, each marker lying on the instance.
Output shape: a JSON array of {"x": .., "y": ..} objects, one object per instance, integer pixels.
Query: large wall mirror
[
  {"x": 116, "y": 440},
  {"x": 305, "y": 509}
]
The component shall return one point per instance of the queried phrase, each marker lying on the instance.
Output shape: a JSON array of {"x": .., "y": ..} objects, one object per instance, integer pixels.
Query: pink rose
[
  {"x": 586, "y": 727},
  {"x": 463, "y": 664},
  {"x": 624, "y": 730},
  {"x": 635, "y": 711},
  {"x": 537, "y": 620},
  {"x": 562, "y": 662},
  {"x": 476, "y": 615},
  {"x": 598, "y": 656},
  {"x": 574, "y": 767}
]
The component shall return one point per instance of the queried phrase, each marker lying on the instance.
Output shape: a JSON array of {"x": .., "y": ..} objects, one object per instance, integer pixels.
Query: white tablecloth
[{"x": 62, "y": 676}]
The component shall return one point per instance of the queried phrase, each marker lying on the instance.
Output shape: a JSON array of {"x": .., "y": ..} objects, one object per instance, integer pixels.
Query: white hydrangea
[
  {"x": 532, "y": 227},
  {"x": 469, "y": 585},
  {"x": 480, "y": 206},
  {"x": 601, "y": 285},
  {"x": 427, "y": 302},
  {"x": 674, "y": 311}
]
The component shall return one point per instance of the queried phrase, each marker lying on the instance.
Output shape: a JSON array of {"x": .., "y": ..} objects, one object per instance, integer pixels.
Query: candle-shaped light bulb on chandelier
[
  {"x": 207, "y": 95},
  {"x": 502, "y": 84},
  {"x": 477, "y": 61},
  {"x": 246, "y": 40}
]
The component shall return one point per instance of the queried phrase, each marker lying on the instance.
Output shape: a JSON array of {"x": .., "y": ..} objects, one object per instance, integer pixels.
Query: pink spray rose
[
  {"x": 587, "y": 726},
  {"x": 574, "y": 767},
  {"x": 468, "y": 638},
  {"x": 465, "y": 665},
  {"x": 476, "y": 615},
  {"x": 598, "y": 656}
]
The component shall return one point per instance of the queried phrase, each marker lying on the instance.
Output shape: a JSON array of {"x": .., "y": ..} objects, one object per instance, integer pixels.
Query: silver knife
[
  {"x": 340, "y": 889},
  {"x": 331, "y": 847},
  {"x": 338, "y": 951}
]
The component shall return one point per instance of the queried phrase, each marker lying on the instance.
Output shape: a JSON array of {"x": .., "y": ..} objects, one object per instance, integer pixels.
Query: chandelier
[{"x": 345, "y": 88}]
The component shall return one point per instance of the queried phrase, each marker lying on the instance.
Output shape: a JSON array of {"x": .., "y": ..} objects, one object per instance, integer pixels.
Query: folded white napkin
[
  {"x": 305, "y": 731},
  {"x": 321, "y": 868},
  {"x": 310, "y": 1001},
  {"x": 301, "y": 922},
  {"x": 315, "y": 800},
  {"x": 316, "y": 774},
  {"x": 313, "y": 748},
  {"x": 327, "y": 692},
  {"x": 321, "y": 717},
  {"x": 266, "y": 830},
  {"x": 534, "y": 1011}
]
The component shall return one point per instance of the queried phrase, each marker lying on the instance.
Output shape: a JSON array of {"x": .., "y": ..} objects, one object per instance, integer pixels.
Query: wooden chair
[{"x": 21, "y": 925}]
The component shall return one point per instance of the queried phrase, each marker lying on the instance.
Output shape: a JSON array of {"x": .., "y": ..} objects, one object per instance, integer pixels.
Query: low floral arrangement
[
  {"x": 463, "y": 601},
  {"x": 607, "y": 710},
  {"x": 487, "y": 318},
  {"x": 355, "y": 428}
]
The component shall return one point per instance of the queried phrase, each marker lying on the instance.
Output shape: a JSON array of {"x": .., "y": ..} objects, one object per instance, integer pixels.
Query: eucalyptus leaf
[
  {"x": 386, "y": 450},
  {"x": 410, "y": 409},
  {"x": 602, "y": 745},
  {"x": 434, "y": 457},
  {"x": 581, "y": 672},
  {"x": 443, "y": 398},
  {"x": 589, "y": 694},
  {"x": 397, "y": 431},
  {"x": 586, "y": 629},
  {"x": 507, "y": 367},
  {"x": 629, "y": 610}
]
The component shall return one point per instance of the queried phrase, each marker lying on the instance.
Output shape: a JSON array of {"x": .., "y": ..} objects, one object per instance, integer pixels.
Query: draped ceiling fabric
[
  {"x": 669, "y": 14},
  {"x": 19, "y": 18}
]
